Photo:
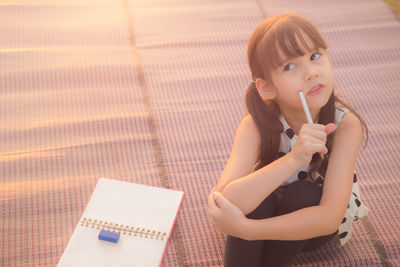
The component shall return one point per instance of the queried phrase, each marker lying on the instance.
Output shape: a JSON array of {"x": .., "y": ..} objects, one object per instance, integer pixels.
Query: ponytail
[
  {"x": 326, "y": 115},
  {"x": 266, "y": 116}
]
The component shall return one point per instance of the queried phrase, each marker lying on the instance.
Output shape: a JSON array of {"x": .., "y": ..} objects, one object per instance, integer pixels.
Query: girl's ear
[{"x": 266, "y": 91}]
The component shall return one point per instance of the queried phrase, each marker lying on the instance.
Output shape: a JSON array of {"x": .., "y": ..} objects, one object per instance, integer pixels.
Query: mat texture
[{"x": 151, "y": 91}]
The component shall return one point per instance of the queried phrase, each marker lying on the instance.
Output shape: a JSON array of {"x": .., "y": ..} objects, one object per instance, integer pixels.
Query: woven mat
[{"x": 151, "y": 91}]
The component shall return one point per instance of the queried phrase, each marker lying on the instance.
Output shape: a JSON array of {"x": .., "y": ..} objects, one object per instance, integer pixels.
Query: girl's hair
[{"x": 293, "y": 36}]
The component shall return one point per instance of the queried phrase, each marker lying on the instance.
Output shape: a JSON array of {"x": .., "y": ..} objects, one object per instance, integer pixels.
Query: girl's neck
[{"x": 296, "y": 118}]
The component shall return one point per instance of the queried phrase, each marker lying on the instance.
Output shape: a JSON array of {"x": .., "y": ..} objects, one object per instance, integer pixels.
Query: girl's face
[{"x": 311, "y": 73}]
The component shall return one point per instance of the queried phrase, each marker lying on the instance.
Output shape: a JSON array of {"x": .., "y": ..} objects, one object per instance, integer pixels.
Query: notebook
[{"x": 144, "y": 217}]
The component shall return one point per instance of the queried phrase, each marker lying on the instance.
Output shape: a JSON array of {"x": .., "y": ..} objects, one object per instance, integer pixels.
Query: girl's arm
[
  {"x": 308, "y": 222},
  {"x": 241, "y": 186}
]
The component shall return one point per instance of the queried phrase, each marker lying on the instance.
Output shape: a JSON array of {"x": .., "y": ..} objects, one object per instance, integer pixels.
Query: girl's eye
[
  {"x": 289, "y": 66},
  {"x": 315, "y": 56}
]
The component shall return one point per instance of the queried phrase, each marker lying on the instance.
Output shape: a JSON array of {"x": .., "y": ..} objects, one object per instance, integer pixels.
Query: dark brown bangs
[{"x": 290, "y": 37}]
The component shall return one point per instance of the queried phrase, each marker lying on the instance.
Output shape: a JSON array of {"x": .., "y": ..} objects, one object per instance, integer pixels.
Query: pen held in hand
[
  {"x": 305, "y": 107},
  {"x": 307, "y": 111}
]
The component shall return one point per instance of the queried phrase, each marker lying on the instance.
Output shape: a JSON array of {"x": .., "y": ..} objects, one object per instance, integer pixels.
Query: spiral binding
[{"x": 124, "y": 229}]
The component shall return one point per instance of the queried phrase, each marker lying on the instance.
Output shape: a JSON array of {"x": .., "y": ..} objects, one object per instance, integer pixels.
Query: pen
[
  {"x": 307, "y": 111},
  {"x": 305, "y": 107}
]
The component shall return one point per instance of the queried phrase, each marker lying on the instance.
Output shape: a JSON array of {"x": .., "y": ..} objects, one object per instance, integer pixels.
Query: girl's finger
[
  {"x": 221, "y": 201},
  {"x": 211, "y": 203},
  {"x": 322, "y": 154},
  {"x": 320, "y": 135},
  {"x": 330, "y": 128},
  {"x": 315, "y": 126},
  {"x": 313, "y": 140},
  {"x": 317, "y": 148}
]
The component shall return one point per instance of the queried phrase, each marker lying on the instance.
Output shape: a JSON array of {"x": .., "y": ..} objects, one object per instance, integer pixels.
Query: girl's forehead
[{"x": 294, "y": 45}]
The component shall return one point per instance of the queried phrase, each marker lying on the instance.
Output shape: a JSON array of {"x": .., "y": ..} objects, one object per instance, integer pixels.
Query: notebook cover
[{"x": 144, "y": 215}]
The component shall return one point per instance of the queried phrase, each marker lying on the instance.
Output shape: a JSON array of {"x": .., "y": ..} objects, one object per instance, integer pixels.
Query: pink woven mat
[{"x": 152, "y": 92}]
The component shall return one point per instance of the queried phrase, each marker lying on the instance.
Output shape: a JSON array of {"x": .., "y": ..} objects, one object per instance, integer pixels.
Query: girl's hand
[
  {"x": 226, "y": 217},
  {"x": 311, "y": 139}
]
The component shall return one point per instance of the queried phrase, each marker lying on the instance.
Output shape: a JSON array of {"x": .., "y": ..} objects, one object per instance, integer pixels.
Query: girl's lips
[{"x": 315, "y": 89}]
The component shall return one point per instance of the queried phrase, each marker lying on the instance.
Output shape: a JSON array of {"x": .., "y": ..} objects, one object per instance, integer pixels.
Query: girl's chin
[
  {"x": 318, "y": 101},
  {"x": 317, "y": 104}
]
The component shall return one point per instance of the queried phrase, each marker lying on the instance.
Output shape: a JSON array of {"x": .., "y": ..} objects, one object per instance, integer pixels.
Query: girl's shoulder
[
  {"x": 248, "y": 130},
  {"x": 248, "y": 122},
  {"x": 343, "y": 112},
  {"x": 348, "y": 122},
  {"x": 245, "y": 148}
]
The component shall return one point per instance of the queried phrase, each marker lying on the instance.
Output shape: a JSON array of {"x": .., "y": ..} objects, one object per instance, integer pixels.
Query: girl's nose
[{"x": 311, "y": 74}]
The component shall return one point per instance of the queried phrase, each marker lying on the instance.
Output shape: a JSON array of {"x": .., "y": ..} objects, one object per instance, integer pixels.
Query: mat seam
[
  {"x": 155, "y": 141},
  {"x": 376, "y": 242}
]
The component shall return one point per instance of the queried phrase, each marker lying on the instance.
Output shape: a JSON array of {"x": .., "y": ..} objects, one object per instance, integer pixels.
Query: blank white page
[{"x": 130, "y": 205}]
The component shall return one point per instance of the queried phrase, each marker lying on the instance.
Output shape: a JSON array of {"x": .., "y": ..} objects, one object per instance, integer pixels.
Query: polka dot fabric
[{"x": 355, "y": 210}]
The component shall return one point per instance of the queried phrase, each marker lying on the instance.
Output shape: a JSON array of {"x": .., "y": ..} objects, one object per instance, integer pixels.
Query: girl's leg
[
  {"x": 298, "y": 195},
  {"x": 317, "y": 242},
  {"x": 240, "y": 252}
]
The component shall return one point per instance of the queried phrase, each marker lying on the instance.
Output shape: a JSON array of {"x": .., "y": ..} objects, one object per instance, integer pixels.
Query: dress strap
[{"x": 340, "y": 112}]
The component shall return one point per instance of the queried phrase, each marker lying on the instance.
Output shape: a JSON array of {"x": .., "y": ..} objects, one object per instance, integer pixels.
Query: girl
[{"x": 289, "y": 185}]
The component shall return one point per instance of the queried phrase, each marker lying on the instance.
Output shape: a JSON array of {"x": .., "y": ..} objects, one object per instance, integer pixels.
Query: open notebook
[{"x": 143, "y": 215}]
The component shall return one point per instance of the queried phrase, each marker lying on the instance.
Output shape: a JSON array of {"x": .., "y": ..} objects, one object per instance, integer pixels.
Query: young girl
[{"x": 289, "y": 185}]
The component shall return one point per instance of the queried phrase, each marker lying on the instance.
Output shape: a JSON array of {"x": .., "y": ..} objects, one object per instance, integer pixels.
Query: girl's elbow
[
  {"x": 332, "y": 224},
  {"x": 330, "y": 229},
  {"x": 237, "y": 200},
  {"x": 331, "y": 220},
  {"x": 220, "y": 187}
]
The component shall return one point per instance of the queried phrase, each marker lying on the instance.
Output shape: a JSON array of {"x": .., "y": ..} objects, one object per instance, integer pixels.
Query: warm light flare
[
  {"x": 13, "y": 190},
  {"x": 57, "y": 48}
]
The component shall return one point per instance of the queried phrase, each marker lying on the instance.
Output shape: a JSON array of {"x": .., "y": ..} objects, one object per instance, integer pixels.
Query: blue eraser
[{"x": 108, "y": 236}]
